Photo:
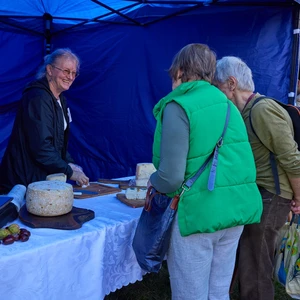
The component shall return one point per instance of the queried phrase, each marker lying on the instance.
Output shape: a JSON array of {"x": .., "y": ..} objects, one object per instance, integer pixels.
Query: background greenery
[{"x": 157, "y": 287}]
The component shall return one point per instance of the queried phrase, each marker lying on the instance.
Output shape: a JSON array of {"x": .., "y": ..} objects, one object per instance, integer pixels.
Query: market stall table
[{"x": 86, "y": 263}]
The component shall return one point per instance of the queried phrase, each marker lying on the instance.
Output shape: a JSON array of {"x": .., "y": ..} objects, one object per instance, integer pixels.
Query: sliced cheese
[
  {"x": 136, "y": 193},
  {"x": 58, "y": 176}
]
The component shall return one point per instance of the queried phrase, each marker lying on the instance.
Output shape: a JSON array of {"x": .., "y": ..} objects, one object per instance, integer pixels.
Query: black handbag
[{"x": 153, "y": 232}]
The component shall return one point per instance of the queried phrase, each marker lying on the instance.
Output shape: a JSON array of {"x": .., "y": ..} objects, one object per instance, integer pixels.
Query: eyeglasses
[{"x": 67, "y": 72}]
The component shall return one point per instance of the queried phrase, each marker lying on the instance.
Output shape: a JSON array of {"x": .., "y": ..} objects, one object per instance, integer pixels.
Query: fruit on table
[
  {"x": 23, "y": 237},
  {"x": 16, "y": 237},
  {"x": 14, "y": 228},
  {"x": 4, "y": 233},
  {"x": 25, "y": 231},
  {"x": 12, "y": 233},
  {"x": 8, "y": 240}
]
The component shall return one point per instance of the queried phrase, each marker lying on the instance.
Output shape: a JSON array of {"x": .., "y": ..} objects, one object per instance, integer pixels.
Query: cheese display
[
  {"x": 143, "y": 173},
  {"x": 49, "y": 198},
  {"x": 57, "y": 176},
  {"x": 136, "y": 193}
]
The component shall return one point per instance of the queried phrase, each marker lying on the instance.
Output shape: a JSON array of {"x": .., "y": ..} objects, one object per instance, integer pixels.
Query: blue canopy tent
[{"x": 125, "y": 48}]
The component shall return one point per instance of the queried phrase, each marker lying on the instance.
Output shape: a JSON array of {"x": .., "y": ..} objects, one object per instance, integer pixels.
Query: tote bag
[{"x": 287, "y": 259}]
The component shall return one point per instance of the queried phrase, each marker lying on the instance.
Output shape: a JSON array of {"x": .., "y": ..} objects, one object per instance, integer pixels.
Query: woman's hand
[
  {"x": 78, "y": 175},
  {"x": 75, "y": 167},
  {"x": 80, "y": 178}
]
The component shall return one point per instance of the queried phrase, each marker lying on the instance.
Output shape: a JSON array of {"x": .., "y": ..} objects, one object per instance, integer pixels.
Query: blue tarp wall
[{"x": 124, "y": 73}]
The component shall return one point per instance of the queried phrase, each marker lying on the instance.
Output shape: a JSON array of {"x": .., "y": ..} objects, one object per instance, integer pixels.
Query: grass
[{"x": 157, "y": 287}]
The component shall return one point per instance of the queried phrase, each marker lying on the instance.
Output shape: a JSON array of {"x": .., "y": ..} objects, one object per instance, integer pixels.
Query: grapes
[{"x": 12, "y": 233}]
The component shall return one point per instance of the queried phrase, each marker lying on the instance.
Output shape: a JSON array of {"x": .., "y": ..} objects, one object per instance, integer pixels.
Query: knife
[
  {"x": 81, "y": 192},
  {"x": 113, "y": 181}
]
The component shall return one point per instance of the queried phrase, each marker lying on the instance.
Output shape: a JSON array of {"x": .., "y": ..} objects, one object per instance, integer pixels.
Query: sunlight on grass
[{"x": 157, "y": 287}]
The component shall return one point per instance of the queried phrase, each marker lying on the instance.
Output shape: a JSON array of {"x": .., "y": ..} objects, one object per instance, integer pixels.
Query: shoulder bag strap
[{"x": 214, "y": 155}]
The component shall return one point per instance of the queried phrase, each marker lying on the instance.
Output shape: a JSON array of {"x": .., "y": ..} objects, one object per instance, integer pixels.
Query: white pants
[{"x": 201, "y": 265}]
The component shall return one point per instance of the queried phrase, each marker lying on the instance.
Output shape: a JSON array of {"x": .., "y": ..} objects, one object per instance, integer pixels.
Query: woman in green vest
[{"x": 209, "y": 222}]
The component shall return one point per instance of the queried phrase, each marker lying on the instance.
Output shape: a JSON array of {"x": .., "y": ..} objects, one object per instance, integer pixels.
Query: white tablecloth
[{"x": 86, "y": 263}]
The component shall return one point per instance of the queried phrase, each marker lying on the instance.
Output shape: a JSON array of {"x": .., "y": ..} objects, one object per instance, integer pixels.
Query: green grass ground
[{"x": 157, "y": 287}]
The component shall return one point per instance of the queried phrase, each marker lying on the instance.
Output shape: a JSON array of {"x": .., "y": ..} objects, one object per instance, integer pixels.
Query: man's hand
[
  {"x": 295, "y": 203},
  {"x": 295, "y": 206}
]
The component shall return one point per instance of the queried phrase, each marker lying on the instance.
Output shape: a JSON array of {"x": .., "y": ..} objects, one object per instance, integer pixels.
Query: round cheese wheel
[{"x": 49, "y": 198}]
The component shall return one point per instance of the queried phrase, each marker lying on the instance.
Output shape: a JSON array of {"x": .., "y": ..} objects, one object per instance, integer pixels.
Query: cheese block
[
  {"x": 143, "y": 173},
  {"x": 136, "y": 193},
  {"x": 141, "y": 182},
  {"x": 49, "y": 198},
  {"x": 58, "y": 176}
]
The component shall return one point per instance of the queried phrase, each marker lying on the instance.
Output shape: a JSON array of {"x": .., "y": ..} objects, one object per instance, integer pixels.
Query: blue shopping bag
[{"x": 153, "y": 232}]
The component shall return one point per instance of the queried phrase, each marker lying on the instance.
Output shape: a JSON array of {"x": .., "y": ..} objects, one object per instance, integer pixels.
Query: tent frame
[{"x": 192, "y": 5}]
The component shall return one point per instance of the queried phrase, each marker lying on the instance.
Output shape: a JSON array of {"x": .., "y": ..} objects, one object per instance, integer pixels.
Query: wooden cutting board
[
  {"x": 100, "y": 190},
  {"x": 130, "y": 202},
  {"x": 72, "y": 220}
]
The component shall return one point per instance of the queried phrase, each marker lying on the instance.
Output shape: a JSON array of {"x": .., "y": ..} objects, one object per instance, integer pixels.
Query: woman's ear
[
  {"x": 180, "y": 75},
  {"x": 48, "y": 69}
]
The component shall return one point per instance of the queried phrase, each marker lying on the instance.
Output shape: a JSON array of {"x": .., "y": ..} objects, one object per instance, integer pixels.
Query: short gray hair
[
  {"x": 234, "y": 66},
  {"x": 195, "y": 61},
  {"x": 53, "y": 57}
]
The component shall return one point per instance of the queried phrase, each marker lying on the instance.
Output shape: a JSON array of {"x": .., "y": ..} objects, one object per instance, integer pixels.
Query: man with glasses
[{"x": 39, "y": 139}]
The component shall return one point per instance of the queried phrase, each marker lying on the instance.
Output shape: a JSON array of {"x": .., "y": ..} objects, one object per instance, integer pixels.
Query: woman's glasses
[{"x": 67, "y": 72}]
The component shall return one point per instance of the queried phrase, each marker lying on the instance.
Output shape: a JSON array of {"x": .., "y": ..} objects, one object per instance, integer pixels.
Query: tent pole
[
  {"x": 295, "y": 57},
  {"x": 47, "y": 33},
  {"x": 117, "y": 12}
]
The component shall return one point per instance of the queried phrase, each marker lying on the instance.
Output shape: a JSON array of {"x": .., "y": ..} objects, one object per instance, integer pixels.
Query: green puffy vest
[{"x": 235, "y": 199}]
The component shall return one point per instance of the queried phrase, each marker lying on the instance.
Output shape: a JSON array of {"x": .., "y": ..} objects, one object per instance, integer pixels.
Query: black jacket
[{"x": 38, "y": 142}]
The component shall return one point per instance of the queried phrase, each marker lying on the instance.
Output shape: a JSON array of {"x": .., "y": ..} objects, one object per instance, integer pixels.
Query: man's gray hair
[
  {"x": 234, "y": 66},
  {"x": 52, "y": 58}
]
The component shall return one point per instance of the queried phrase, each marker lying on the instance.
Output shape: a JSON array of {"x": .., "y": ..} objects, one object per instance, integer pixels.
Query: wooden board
[
  {"x": 100, "y": 189},
  {"x": 72, "y": 220},
  {"x": 113, "y": 181},
  {"x": 132, "y": 203}
]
